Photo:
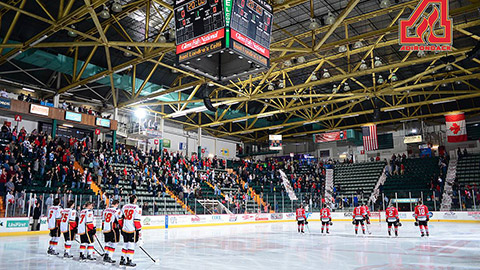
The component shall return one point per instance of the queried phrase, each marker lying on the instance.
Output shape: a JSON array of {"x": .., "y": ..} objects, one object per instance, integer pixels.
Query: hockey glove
[
  {"x": 416, "y": 223},
  {"x": 330, "y": 223},
  {"x": 353, "y": 222},
  {"x": 306, "y": 222},
  {"x": 399, "y": 224}
]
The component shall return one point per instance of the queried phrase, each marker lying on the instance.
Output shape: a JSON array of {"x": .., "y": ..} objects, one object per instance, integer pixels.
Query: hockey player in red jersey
[
  {"x": 86, "y": 230},
  {"x": 326, "y": 217},
  {"x": 54, "y": 218},
  {"x": 367, "y": 217},
  {"x": 392, "y": 219},
  {"x": 131, "y": 215},
  {"x": 422, "y": 217},
  {"x": 359, "y": 218},
  {"x": 301, "y": 218}
]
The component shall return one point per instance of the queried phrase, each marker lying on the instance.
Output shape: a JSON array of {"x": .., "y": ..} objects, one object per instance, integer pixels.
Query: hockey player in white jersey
[
  {"x": 68, "y": 226},
  {"x": 111, "y": 230},
  {"x": 86, "y": 230},
  {"x": 54, "y": 216},
  {"x": 131, "y": 227}
]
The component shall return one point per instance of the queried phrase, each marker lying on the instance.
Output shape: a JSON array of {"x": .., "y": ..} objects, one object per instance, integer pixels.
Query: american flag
[{"x": 370, "y": 141}]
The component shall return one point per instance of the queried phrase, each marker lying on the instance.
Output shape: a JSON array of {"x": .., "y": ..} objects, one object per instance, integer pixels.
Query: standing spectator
[{"x": 36, "y": 217}]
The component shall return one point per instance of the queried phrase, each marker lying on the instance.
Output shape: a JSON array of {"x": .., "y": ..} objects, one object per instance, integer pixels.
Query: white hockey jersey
[
  {"x": 110, "y": 219},
  {"x": 130, "y": 219},
  {"x": 54, "y": 215},
  {"x": 68, "y": 220},
  {"x": 86, "y": 221}
]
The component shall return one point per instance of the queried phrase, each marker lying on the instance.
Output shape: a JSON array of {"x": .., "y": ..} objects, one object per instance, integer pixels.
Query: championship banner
[
  {"x": 330, "y": 136},
  {"x": 456, "y": 127}
]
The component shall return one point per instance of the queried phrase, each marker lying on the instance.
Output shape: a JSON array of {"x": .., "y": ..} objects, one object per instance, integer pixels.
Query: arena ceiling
[{"x": 127, "y": 61}]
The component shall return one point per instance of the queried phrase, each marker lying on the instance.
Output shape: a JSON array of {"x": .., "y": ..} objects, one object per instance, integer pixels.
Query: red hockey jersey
[
  {"x": 301, "y": 214},
  {"x": 421, "y": 212}
]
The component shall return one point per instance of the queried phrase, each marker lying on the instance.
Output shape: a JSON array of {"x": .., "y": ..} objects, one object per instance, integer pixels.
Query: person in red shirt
[
  {"x": 359, "y": 218},
  {"x": 422, "y": 217},
  {"x": 326, "y": 217},
  {"x": 392, "y": 219},
  {"x": 301, "y": 218},
  {"x": 367, "y": 217}
]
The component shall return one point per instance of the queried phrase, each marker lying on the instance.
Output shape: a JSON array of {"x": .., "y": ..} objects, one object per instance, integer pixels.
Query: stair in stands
[
  {"x": 449, "y": 181},
  {"x": 184, "y": 206},
  {"x": 2, "y": 207},
  {"x": 328, "y": 184},
  {"x": 288, "y": 186},
  {"x": 256, "y": 198},
  {"x": 376, "y": 191}
]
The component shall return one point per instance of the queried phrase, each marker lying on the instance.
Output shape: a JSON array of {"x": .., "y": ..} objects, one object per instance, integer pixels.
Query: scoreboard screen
[
  {"x": 251, "y": 24},
  {"x": 198, "y": 22}
]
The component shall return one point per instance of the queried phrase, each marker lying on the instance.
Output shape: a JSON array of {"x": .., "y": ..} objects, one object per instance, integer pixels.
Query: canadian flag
[{"x": 456, "y": 127}]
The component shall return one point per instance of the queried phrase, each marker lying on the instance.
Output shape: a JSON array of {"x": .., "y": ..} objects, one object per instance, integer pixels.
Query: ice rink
[{"x": 273, "y": 246}]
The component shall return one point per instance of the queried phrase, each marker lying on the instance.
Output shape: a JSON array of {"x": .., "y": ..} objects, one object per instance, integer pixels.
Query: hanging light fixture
[
  {"x": 104, "y": 14},
  {"x": 458, "y": 82},
  {"x": 313, "y": 24},
  {"x": 301, "y": 59},
  {"x": 287, "y": 63},
  {"x": 162, "y": 39},
  {"x": 378, "y": 62},
  {"x": 346, "y": 87},
  {"x": 449, "y": 67},
  {"x": 385, "y": 4},
  {"x": 380, "y": 79},
  {"x": 330, "y": 19},
  {"x": 326, "y": 74},
  {"x": 171, "y": 33},
  {"x": 71, "y": 33},
  {"x": 363, "y": 66},
  {"x": 313, "y": 77},
  {"x": 444, "y": 85},
  {"x": 342, "y": 49},
  {"x": 281, "y": 84},
  {"x": 334, "y": 89},
  {"x": 433, "y": 69},
  {"x": 127, "y": 54},
  {"x": 271, "y": 87},
  {"x": 421, "y": 54},
  {"x": 116, "y": 6},
  {"x": 358, "y": 45},
  {"x": 394, "y": 77}
]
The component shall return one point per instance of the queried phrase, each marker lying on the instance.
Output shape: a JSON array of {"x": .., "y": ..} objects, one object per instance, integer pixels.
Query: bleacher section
[
  {"x": 468, "y": 170},
  {"x": 417, "y": 177},
  {"x": 349, "y": 178},
  {"x": 164, "y": 205}
]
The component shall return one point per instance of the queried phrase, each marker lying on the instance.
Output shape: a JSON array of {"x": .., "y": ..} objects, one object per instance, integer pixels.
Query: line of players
[
  {"x": 361, "y": 215},
  {"x": 115, "y": 222}
]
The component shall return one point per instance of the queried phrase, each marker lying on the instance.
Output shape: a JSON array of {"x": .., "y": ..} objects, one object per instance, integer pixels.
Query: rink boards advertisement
[{"x": 19, "y": 226}]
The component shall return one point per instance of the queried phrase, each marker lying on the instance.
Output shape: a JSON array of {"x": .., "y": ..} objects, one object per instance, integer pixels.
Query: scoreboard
[
  {"x": 195, "y": 20},
  {"x": 206, "y": 29},
  {"x": 251, "y": 25}
]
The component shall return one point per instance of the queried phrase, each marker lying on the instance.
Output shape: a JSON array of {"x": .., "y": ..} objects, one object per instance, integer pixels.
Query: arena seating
[
  {"x": 351, "y": 177},
  {"x": 163, "y": 204},
  {"x": 418, "y": 174},
  {"x": 468, "y": 170}
]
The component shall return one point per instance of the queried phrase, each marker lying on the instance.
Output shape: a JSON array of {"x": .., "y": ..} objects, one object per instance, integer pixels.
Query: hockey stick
[
  {"x": 98, "y": 241},
  {"x": 308, "y": 228},
  {"x": 76, "y": 240},
  {"x": 144, "y": 251}
]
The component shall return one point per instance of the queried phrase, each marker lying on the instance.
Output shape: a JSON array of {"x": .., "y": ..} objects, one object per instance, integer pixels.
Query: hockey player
[
  {"x": 111, "y": 230},
  {"x": 68, "y": 226},
  {"x": 367, "y": 217},
  {"x": 86, "y": 230},
  {"x": 54, "y": 217},
  {"x": 422, "y": 217},
  {"x": 392, "y": 219},
  {"x": 131, "y": 227},
  {"x": 301, "y": 218},
  {"x": 326, "y": 217},
  {"x": 359, "y": 218}
]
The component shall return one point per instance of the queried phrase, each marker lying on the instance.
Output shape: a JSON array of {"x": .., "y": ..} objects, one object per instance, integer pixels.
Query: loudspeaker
[{"x": 208, "y": 104}]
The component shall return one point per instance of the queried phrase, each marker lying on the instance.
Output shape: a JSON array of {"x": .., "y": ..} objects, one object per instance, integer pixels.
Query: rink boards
[{"x": 21, "y": 226}]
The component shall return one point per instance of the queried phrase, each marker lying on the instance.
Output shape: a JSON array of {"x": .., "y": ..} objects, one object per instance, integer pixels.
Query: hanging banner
[
  {"x": 330, "y": 136},
  {"x": 456, "y": 127}
]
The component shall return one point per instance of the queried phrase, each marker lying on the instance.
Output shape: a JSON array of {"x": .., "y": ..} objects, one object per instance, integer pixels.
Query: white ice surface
[{"x": 273, "y": 246}]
